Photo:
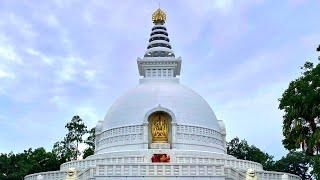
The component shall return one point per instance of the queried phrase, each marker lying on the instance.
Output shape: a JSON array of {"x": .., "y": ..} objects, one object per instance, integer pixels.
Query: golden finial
[{"x": 159, "y": 17}]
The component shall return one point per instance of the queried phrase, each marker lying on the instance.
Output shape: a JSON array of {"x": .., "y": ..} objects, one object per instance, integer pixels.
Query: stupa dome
[{"x": 188, "y": 107}]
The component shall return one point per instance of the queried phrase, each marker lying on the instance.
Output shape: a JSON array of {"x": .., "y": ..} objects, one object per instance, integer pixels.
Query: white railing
[
  {"x": 154, "y": 169},
  {"x": 119, "y": 136},
  {"x": 50, "y": 175},
  {"x": 234, "y": 163},
  {"x": 267, "y": 175},
  {"x": 79, "y": 164},
  {"x": 272, "y": 175}
]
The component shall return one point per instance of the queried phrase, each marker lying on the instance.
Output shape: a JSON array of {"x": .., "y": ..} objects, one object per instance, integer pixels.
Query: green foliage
[
  {"x": 301, "y": 104},
  {"x": 76, "y": 130},
  {"x": 88, "y": 152},
  {"x": 295, "y": 163},
  {"x": 16, "y": 166},
  {"x": 68, "y": 148},
  {"x": 90, "y": 141},
  {"x": 241, "y": 150},
  {"x": 315, "y": 162},
  {"x": 65, "y": 150}
]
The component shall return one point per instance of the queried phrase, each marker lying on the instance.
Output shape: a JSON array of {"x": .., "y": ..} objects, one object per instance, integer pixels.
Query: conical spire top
[
  {"x": 159, "y": 61},
  {"x": 159, "y": 17},
  {"x": 159, "y": 43}
]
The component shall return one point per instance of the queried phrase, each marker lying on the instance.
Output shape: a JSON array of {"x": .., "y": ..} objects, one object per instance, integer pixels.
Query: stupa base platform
[{"x": 183, "y": 165}]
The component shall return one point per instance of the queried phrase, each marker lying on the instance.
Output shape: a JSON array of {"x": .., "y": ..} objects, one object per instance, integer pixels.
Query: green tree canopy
[
  {"x": 90, "y": 141},
  {"x": 68, "y": 148},
  {"x": 301, "y": 105},
  {"x": 295, "y": 163},
  {"x": 65, "y": 150},
  {"x": 315, "y": 162},
  {"x": 16, "y": 166},
  {"x": 242, "y": 150},
  {"x": 76, "y": 130}
]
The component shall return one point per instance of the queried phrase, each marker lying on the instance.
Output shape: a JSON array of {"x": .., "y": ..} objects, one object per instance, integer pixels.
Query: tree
[
  {"x": 297, "y": 163},
  {"x": 65, "y": 150},
  {"x": 301, "y": 105},
  {"x": 16, "y": 166},
  {"x": 315, "y": 162},
  {"x": 241, "y": 150},
  {"x": 76, "y": 129},
  {"x": 68, "y": 148},
  {"x": 90, "y": 141},
  {"x": 43, "y": 161},
  {"x": 294, "y": 162}
]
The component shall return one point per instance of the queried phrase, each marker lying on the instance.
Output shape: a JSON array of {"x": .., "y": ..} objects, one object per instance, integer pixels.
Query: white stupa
[{"x": 160, "y": 130}]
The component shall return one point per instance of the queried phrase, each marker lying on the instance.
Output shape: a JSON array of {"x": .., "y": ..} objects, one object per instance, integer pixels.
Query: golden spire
[{"x": 159, "y": 17}]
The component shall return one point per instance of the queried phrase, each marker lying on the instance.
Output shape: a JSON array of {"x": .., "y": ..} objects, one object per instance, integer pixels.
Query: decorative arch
[{"x": 159, "y": 108}]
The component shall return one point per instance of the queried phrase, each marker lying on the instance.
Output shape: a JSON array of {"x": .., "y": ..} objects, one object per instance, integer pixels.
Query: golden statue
[
  {"x": 159, "y": 127},
  {"x": 159, "y": 17}
]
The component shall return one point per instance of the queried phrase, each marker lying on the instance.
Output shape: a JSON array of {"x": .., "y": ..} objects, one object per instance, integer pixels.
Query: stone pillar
[
  {"x": 224, "y": 142},
  {"x": 173, "y": 134},
  {"x": 223, "y": 134},
  {"x": 98, "y": 129},
  {"x": 145, "y": 135}
]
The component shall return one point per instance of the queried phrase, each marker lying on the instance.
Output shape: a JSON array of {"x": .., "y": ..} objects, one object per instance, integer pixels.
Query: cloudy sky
[{"x": 62, "y": 58}]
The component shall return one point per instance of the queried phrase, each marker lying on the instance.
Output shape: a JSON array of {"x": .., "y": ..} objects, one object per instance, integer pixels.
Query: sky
[{"x": 64, "y": 58}]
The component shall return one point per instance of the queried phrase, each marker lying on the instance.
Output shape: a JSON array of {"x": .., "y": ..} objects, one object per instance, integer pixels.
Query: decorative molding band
[
  {"x": 198, "y": 135},
  {"x": 157, "y": 170},
  {"x": 119, "y": 136}
]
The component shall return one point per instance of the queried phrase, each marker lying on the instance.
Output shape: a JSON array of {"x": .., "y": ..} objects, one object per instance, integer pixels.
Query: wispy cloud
[
  {"x": 4, "y": 74},
  {"x": 69, "y": 68},
  {"x": 42, "y": 57},
  {"x": 9, "y": 55}
]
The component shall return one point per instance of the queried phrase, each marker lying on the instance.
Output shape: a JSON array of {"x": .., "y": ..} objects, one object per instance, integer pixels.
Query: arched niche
[
  {"x": 159, "y": 130},
  {"x": 159, "y": 108}
]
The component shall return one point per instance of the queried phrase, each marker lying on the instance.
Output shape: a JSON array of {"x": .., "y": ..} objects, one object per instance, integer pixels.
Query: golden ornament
[{"x": 159, "y": 17}]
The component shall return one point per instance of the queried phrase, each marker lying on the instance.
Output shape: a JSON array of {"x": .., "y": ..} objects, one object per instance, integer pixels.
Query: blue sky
[{"x": 62, "y": 58}]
